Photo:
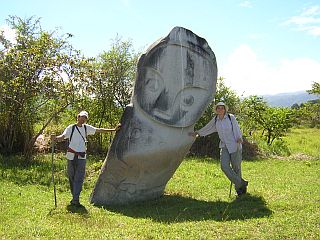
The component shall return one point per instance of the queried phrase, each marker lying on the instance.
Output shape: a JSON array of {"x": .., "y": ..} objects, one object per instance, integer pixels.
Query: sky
[{"x": 262, "y": 47}]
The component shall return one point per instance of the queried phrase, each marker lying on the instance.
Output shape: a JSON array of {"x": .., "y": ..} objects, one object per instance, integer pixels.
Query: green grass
[
  {"x": 283, "y": 203},
  {"x": 304, "y": 140}
]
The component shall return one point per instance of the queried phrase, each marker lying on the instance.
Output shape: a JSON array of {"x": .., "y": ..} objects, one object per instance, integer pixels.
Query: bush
[
  {"x": 250, "y": 149},
  {"x": 279, "y": 147},
  {"x": 209, "y": 147},
  {"x": 206, "y": 147}
]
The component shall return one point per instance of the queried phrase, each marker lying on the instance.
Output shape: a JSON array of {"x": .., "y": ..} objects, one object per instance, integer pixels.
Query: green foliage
[
  {"x": 118, "y": 70},
  {"x": 40, "y": 76},
  {"x": 273, "y": 122},
  {"x": 44, "y": 83},
  {"x": 315, "y": 88},
  {"x": 309, "y": 113},
  {"x": 109, "y": 89},
  {"x": 251, "y": 109},
  {"x": 278, "y": 148}
]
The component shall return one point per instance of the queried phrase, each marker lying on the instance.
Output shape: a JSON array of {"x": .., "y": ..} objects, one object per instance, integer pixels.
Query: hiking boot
[
  {"x": 75, "y": 203},
  {"x": 244, "y": 186},
  {"x": 243, "y": 189},
  {"x": 239, "y": 192}
]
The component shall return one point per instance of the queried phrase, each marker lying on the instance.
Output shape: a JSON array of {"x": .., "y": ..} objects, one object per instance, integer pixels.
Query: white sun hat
[
  {"x": 83, "y": 114},
  {"x": 221, "y": 104}
]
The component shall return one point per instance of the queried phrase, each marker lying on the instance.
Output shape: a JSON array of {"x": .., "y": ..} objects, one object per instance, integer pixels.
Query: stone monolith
[{"x": 176, "y": 80}]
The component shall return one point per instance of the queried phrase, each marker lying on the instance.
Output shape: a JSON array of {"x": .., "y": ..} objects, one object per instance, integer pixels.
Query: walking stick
[
  {"x": 54, "y": 185},
  {"x": 230, "y": 189}
]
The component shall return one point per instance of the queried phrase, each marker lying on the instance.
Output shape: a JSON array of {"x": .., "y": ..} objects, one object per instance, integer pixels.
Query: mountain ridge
[{"x": 289, "y": 98}]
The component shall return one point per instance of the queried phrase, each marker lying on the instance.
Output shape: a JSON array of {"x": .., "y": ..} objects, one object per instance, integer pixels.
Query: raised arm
[
  {"x": 208, "y": 129},
  {"x": 59, "y": 138},
  {"x": 105, "y": 130}
]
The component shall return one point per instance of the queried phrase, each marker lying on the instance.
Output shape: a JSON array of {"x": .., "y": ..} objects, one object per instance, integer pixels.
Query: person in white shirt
[
  {"x": 230, "y": 144},
  {"x": 76, "y": 153}
]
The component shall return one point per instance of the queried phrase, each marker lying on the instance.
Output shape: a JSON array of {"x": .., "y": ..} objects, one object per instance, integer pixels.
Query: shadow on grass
[
  {"x": 80, "y": 209},
  {"x": 177, "y": 208}
]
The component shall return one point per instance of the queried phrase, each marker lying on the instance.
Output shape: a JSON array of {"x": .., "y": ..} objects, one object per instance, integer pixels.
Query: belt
[{"x": 81, "y": 154}]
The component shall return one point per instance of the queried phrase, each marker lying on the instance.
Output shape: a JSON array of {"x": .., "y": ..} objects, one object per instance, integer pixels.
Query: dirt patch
[{"x": 297, "y": 156}]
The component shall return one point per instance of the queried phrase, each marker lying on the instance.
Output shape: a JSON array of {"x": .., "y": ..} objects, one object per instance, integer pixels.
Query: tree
[
  {"x": 310, "y": 112},
  {"x": 273, "y": 122},
  {"x": 118, "y": 70},
  {"x": 251, "y": 112},
  {"x": 40, "y": 76},
  {"x": 315, "y": 88},
  {"x": 110, "y": 86}
]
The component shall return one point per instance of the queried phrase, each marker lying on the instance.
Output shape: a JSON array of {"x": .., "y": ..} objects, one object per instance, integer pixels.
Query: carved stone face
[{"x": 175, "y": 83}]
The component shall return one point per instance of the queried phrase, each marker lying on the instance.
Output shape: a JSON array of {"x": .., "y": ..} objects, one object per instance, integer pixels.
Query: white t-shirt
[{"x": 77, "y": 143}]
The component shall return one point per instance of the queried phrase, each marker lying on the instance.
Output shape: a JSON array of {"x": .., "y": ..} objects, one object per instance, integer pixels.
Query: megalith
[{"x": 175, "y": 82}]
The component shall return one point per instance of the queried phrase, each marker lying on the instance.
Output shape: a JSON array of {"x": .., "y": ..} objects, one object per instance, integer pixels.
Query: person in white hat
[
  {"x": 76, "y": 153},
  {"x": 230, "y": 144}
]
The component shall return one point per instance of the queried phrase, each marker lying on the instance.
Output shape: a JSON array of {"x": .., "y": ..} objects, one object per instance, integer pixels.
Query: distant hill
[{"x": 288, "y": 99}]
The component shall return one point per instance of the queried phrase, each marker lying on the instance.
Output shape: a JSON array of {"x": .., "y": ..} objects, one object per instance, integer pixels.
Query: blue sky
[{"x": 262, "y": 47}]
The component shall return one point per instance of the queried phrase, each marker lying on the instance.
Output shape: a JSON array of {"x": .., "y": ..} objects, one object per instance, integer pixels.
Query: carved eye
[
  {"x": 136, "y": 133},
  {"x": 188, "y": 101},
  {"x": 152, "y": 84}
]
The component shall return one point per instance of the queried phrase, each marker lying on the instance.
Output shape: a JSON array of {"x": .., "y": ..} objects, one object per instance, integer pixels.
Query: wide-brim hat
[
  {"x": 83, "y": 114},
  {"x": 220, "y": 104}
]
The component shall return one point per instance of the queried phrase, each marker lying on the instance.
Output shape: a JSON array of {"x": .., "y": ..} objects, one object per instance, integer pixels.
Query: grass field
[
  {"x": 304, "y": 140},
  {"x": 283, "y": 202}
]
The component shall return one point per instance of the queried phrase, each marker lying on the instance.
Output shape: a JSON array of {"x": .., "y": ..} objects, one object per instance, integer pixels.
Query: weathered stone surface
[{"x": 175, "y": 82}]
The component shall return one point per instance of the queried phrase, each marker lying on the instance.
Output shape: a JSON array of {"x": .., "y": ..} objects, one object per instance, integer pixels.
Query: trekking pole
[
  {"x": 54, "y": 185},
  {"x": 230, "y": 189}
]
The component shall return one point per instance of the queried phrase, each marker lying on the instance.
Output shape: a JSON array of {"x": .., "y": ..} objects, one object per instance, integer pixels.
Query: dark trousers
[{"x": 76, "y": 171}]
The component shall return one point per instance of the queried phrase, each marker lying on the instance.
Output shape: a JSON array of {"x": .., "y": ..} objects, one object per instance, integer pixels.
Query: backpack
[
  {"x": 215, "y": 120},
  {"x": 73, "y": 127}
]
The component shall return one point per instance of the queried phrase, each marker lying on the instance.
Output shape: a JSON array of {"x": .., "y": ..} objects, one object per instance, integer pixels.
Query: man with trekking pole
[
  {"x": 230, "y": 144},
  {"x": 76, "y": 152}
]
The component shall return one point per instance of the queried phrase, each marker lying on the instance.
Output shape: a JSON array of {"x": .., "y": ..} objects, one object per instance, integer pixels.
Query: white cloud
[
  {"x": 308, "y": 21},
  {"x": 313, "y": 30},
  {"x": 311, "y": 11},
  {"x": 245, "y": 73},
  {"x": 302, "y": 21},
  {"x": 9, "y": 33},
  {"x": 246, "y": 4}
]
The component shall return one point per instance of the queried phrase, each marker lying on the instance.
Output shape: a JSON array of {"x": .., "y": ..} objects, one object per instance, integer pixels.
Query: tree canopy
[{"x": 40, "y": 76}]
